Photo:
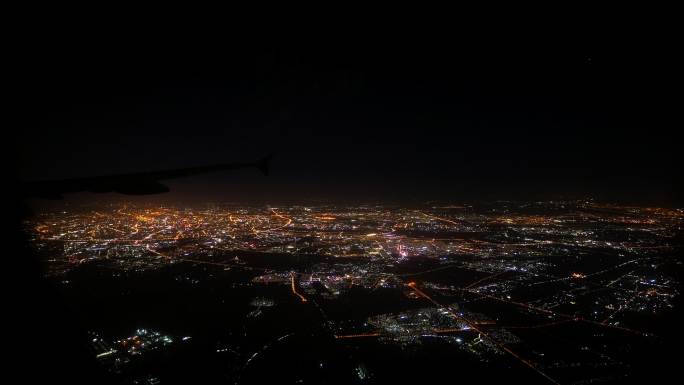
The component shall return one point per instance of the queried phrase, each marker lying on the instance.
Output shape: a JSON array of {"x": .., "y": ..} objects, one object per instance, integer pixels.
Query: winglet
[{"x": 264, "y": 164}]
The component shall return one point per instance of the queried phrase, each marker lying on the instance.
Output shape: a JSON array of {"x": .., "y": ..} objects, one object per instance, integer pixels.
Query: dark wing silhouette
[{"x": 143, "y": 183}]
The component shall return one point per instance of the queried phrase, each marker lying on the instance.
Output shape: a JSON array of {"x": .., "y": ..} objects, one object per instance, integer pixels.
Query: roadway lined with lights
[
  {"x": 294, "y": 288},
  {"x": 562, "y": 315}
]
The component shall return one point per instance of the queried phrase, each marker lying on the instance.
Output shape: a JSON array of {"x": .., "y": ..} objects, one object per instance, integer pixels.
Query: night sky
[{"x": 389, "y": 118}]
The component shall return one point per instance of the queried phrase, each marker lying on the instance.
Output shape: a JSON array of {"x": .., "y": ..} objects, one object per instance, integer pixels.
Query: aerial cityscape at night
[
  {"x": 447, "y": 204},
  {"x": 544, "y": 291}
]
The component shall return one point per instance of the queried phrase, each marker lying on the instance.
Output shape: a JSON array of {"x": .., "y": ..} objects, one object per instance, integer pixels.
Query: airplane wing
[{"x": 143, "y": 183}]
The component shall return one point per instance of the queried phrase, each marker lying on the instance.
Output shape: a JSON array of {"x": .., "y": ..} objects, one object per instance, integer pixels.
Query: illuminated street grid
[{"x": 481, "y": 278}]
